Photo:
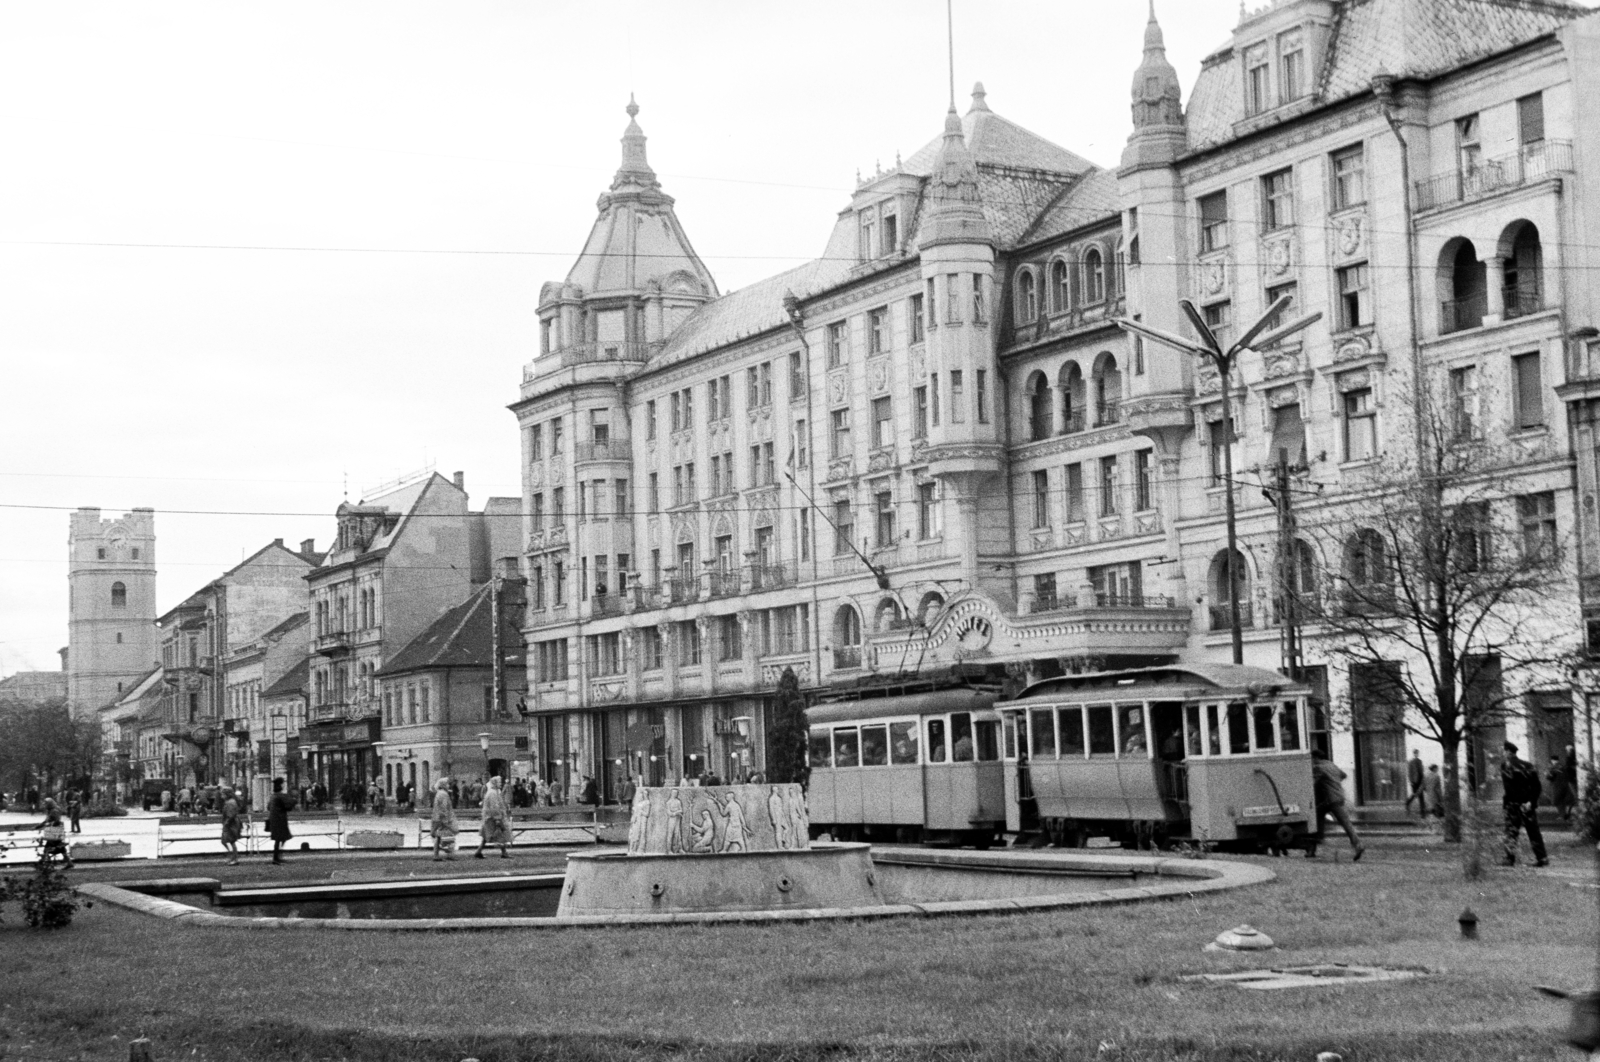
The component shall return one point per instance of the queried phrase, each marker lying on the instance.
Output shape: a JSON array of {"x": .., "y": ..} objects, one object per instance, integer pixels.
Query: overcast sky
[{"x": 357, "y": 204}]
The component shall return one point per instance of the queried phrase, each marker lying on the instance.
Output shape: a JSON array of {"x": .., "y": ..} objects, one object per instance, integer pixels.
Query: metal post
[{"x": 1225, "y": 368}]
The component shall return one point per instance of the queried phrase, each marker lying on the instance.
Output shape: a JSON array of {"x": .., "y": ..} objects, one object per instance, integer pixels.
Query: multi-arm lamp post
[{"x": 1256, "y": 337}]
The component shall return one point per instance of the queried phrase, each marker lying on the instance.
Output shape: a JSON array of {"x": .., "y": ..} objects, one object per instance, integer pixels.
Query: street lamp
[
  {"x": 1256, "y": 337},
  {"x": 483, "y": 743}
]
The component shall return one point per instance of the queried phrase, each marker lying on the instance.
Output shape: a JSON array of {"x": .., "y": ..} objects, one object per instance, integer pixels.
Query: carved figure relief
[
  {"x": 779, "y": 816},
  {"x": 704, "y": 830},
  {"x": 919, "y": 365},
  {"x": 1279, "y": 257},
  {"x": 536, "y": 476},
  {"x": 1353, "y": 348},
  {"x": 878, "y": 375},
  {"x": 879, "y": 460},
  {"x": 733, "y": 824},
  {"x": 1214, "y": 277},
  {"x": 1348, "y": 234},
  {"x": 838, "y": 386},
  {"x": 674, "y": 823},
  {"x": 1281, "y": 363}
]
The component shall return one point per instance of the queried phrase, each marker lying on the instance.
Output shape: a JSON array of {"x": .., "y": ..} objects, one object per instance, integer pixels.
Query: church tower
[{"x": 111, "y": 576}]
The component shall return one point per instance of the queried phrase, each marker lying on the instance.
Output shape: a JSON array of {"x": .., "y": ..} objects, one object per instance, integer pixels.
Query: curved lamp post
[{"x": 1256, "y": 337}]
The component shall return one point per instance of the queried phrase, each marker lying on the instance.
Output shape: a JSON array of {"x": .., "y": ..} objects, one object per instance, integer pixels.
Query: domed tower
[
  {"x": 111, "y": 579},
  {"x": 964, "y": 446},
  {"x": 1155, "y": 233}
]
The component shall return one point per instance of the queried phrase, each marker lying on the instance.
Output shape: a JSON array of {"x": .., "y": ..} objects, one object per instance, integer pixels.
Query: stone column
[{"x": 1495, "y": 280}]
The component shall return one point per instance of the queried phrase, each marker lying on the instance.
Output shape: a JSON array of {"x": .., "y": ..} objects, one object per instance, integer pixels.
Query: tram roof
[
  {"x": 931, "y": 702},
  {"x": 1200, "y": 680}
]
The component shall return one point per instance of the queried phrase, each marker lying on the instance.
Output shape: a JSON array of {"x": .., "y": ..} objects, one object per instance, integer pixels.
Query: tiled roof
[
  {"x": 461, "y": 637},
  {"x": 997, "y": 141},
  {"x": 748, "y": 311},
  {"x": 296, "y": 680},
  {"x": 1013, "y": 201},
  {"x": 1407, "y": 38},
  {"x": 299, "y": 619},
  {"x": 1093, "y": 199}
]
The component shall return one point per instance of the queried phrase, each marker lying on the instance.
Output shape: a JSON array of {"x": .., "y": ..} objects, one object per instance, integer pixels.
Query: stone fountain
[{"x": 698, "y": 849}]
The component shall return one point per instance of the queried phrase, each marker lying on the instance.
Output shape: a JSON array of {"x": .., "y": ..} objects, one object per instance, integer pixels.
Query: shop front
[{"x": 339, "y": 756}]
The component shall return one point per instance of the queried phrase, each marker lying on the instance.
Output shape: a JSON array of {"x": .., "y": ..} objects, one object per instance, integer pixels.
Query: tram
[
  {"x": 913, "y": 767},
  {"x": 1203, "y": 753}
]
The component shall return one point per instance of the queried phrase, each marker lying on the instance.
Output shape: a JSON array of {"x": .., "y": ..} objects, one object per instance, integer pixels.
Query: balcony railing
[
  {"x": 1073, "y": 423},
  {"x": 1107, "y": 413},
  {"x": 588, "y": 354},
  {"x": 680, "y": 589},
  {"x": 1131, "y": 601},
  {"x": 606, "y": 605},
  {"x": 1457, "y": 315},
  {"x": 1222, "y": 617},
  {"x": 612, "y": 449},
  {"x": 723, "y": 583},
  {"x": 1523, "y": 298},
  {"x": 1533, "y": 162},
  {"x": 331, "y": 643},
  {"x": 772, "y": 576},
  {"x": 847, "y": 656}
]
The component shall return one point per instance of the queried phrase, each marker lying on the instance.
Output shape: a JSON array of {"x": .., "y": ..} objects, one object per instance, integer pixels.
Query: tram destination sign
[{"x": 1270, "y": 811}]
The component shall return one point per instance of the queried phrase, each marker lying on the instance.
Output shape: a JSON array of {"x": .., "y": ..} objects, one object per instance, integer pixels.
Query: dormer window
[
  {"x": 880, "y": 231},
  {"x": 1027, "y": 297},
  {"x": 891, "y": 232},
  {"x": 546, "y": 331},
  {"x": 868, "y": 228},
  {"x": 1291, "y": 66},
  {"x": 1257, "y": 79}
]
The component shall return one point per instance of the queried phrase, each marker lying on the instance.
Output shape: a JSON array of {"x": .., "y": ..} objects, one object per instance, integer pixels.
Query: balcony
[
  {"x": 1106, "y": 413},
  {"x": 1533, "y": 162},
  {"x": 1222, "y": 618},
  {"x": 1131, "y": 601},
  {"x": 588, "y": 354},
  {"x": 1458, "y": 315},
  {"x": 772, "y": 576},
  {"x": 1523, "y": 298},
  {"x": 723, "y": 583},
  {"x": 612, "y": 449},
  {"x": 602, "y": 605},
  {"x": 1073, "y": 423},
  {"x": 680, "y": 589},
  {"x": 846, "y": 657},
  {"x": 332, "y": 643}
]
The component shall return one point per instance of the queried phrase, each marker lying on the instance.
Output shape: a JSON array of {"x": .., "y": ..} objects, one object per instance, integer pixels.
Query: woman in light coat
[
  {"x": 444, "y": 822},
  {"x": 496, "y": 828}
]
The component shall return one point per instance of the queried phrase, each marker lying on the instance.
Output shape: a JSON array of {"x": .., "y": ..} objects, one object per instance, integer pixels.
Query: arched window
[
  {"x": 1038, "y": 406},
  {"x": 888, "y": 615},
  {"x": 929, "y": 607},
  {"x": 1224, "y": 592},
  {"x": 1072, "y": 399},
  {"x": 1094, "y": 276},
  {"x": 1058, "y": 287},
  {"x": 1027, "y": 297},
  {"x": 1524, "y": 269},
  {"x": 1107, "y": 390},
  {"x": 1368, "y": 586},
  {"x": 846, "y": 638},
  {"x": 119, "y": 596},
  {"x": 1298, "y": 577},
  {"x": 1463, "y": 291}
]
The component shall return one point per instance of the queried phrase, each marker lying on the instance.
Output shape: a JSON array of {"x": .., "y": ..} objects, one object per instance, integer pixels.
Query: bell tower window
[{"x": 119, "y": 596}]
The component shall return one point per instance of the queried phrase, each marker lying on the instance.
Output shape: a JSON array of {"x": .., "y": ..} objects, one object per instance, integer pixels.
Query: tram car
[
  {"x": 1202, "y": 753},
  {"x": 912, "y": 767}
]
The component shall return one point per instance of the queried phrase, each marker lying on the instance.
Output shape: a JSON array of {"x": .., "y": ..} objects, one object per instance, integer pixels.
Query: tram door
[
  {"x": 1172, "y": 777},
  {"x": 1022, "y": 808}
]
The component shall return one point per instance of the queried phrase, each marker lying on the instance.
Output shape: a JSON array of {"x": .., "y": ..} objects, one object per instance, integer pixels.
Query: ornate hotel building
[{"x": 931, "y": 451}]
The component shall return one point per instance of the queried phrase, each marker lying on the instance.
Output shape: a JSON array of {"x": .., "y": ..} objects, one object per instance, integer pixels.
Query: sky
[{"x": 256, "y": 258}]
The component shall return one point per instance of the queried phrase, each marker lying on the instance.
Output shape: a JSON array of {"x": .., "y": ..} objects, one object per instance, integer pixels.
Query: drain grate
[{"x": 1319, "y": 975}]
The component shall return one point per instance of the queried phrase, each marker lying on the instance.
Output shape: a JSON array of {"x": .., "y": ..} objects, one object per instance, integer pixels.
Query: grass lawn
[{"x": 1086, "y": 984}]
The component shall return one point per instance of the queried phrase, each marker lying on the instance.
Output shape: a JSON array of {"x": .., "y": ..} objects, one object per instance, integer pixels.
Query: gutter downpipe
[{"x": 797, "y": 324}]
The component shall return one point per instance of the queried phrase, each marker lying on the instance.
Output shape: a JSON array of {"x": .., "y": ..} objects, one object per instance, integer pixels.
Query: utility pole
[{"x": 1288, "y": 568}]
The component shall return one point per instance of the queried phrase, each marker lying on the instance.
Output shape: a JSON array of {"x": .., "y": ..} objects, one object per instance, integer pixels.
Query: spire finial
[
  {"x": 950, "y": 36},
  {"x": 978, "y": 95},
  {"x": 633, "y": 108}
]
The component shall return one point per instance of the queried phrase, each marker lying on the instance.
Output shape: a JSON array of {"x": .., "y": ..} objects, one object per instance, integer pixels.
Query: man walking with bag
[{"x": 1520, "y": 800}]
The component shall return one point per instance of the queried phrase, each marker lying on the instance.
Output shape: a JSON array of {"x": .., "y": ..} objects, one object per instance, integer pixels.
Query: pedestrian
[
  {"x": 628, "y": 789},
  {"x": 1329, "y": 793},
  {"x": 496, "y": 828},
  {"x": 278, "y": 809},
  {"x": 54, "y": 835},
  {"x": 232, "y": 827},
  {"x": 591, "y": 792},
  {"x": 1414, "y": 776},
  {"x": 1519, "y": 782},
  {"x": 33, "y": 800},
  {"x": 185, "y": 802},
  {"x": 75, "y": 809},
  {"x": 444, "y": 822},
  {"x": 542, "y": 793},
  {"x": 1561, "y": 796},
  {"x": 1433, "y": 791}
]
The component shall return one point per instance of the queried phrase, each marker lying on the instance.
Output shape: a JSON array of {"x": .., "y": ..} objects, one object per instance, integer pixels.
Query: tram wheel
[{"x": 982, "y": 839}]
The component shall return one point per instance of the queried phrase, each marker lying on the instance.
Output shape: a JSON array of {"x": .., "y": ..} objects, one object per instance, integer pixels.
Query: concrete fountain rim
[{"x": 1194, "y": 877}]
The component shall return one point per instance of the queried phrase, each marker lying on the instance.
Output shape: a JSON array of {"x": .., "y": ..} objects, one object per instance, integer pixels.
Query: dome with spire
[{"x": 1157, "y": 95}]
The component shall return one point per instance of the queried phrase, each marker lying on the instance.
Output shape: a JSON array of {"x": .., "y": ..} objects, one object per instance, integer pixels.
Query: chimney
[
  {"x": 278, "y": 542},
  {"x": 308, "y": 546},
  {"x": 460, "y": 480}
]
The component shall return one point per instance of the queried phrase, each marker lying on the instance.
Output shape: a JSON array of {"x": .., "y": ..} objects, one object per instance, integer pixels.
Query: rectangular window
[
  {"x": 1469, "y": 149},
  {"x": 1360, "y": 425},
  {"x": 1219, "y": 318},
  {"x": 678, "y": 495},
  {"x": 919, "y": 412},
  {"x": 769, "y": 467},
  {"x": 1530, "y": 120},
  {"x": 802, "y": 444},
  {"x": 933, "y": 398},
  {"x": 1108, "y": 486},
  {"x": 1464, "y": 419},
  {"x": 1214, "y": 434},
  {"x": 1288, "y": 435},
  {"x": 689, "y": 651},
  {"x": 1258, "y": 80},
  {"x": 1102, "y": 735},
  {"x": 1537, "y": 515},
  {"x": 1277, "y": 194},
  {"x": 1349, "y": 177},
  {"x": 688, "y": 408},
  {"x": 730, "y": 639},
  {"x": 1285, "y": 315},
  {"x": 980, "y": 303},
  {"x": 1074, "y": 493},
  {"x": 1214, "y": 221},
  {"x": 890, "y": 229},
  {"x": 688, "y": 476},
  {"x": 677, "y": 411},
  {"x": 555, "y": 437},
  {"x": 764, "y": 375},
  {"x": 843, "y": 528},
  {"x": 1043, "y": 739},
  {"x": 869, "y": 227},
  {"x": 927, "y": 510},
  {"x": 714, "y": 410},
  {"x": 583, "y": 578},
  {"x": 755, "y": 465},
  {"x": 536, "y": 443},
  {"x": 538, "y": 510},
  {"x": 914, "y": 319},
  {"x": 650, "y": 639},
  {"x": 718, "y": 485},
  {"x": 882, "y": 423},
  {"x": 621, "y": 488},
  {"x": 797, "y": 376},
  {"x": 958, "y": 398},
  {"x": 1291, "y": 67},
  {"x": 1069, "y": 724},
  {"x": 1143, "y": 494},
  {"x": 653, "y": 496},
  {"x": 838, "y": 343},
  {"x": 1354, "y": 307},
  {"x": 1238, "y": 728},
  {"x": 883, "y": 511},
  {"x": 952, "y": 301},
  {"x": 983, "y": 396},
  {"x": 752, "y": 388},
  {"x": 878, "y": 330},
  {"x": 1044, "y": 591},
  {"x": 536, "y": 584},
  {"x": 840, "y": 434},
  {"x": 1041, "y": 498},
  {"x": 650, "y": 419},
  {"x": 1529, "y": 387},
  {"x": 805, "y": 534},
  {"x": 600, "y": 426},
  {"x": 931, "y": 307}
]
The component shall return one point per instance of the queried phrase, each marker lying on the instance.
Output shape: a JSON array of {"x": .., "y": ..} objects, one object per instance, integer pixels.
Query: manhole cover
[{"x": 1319, "y": 975}]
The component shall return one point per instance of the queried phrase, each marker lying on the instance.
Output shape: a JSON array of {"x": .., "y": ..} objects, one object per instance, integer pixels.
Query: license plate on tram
[{"x": 1271, "y": 811}]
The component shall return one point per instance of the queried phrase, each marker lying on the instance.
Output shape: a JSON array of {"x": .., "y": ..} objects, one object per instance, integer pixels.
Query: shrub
[
  {"x": 48, "y": 901},
  {"x": 1588, "y": 824}
]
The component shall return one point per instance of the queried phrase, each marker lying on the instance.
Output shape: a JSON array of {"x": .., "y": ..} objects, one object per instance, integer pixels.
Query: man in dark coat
[
  {"x": 1414, "y": 774},
  {"x": 1520, "y": 800},
  {"x": 278, "y": 809}
]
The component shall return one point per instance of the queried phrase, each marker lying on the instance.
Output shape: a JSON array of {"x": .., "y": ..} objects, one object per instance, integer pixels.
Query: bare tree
[{"x": 1446, "y": 591}]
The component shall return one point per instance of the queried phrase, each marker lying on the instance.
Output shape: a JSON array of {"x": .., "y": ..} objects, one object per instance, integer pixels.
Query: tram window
[
  {"x": 1192, "y": 734},
  {"x": 1213, "y": 732},
  {"x": 936, "y": 742},
  {"x": 1238, "y": 728},
  {"x": 961, "y": 737},
  {"x": 1289, "y": 726},
  {"x": 903, "y": 742},
  {"x": 874, "y": 746},
  {"x": 1071, "y": 720},
  {"x": 1102, "y": 738},
  {"x": 1262, "y": 716},
  {"x": 987, "y": 732},
  {"x": 846, "y": 747},
  {"x": 1010, "y": 729},
  {"x": 1044, "y": 732},
  {"x": 1133, "y": 739},
  {"x": 821, "y": 748}
]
